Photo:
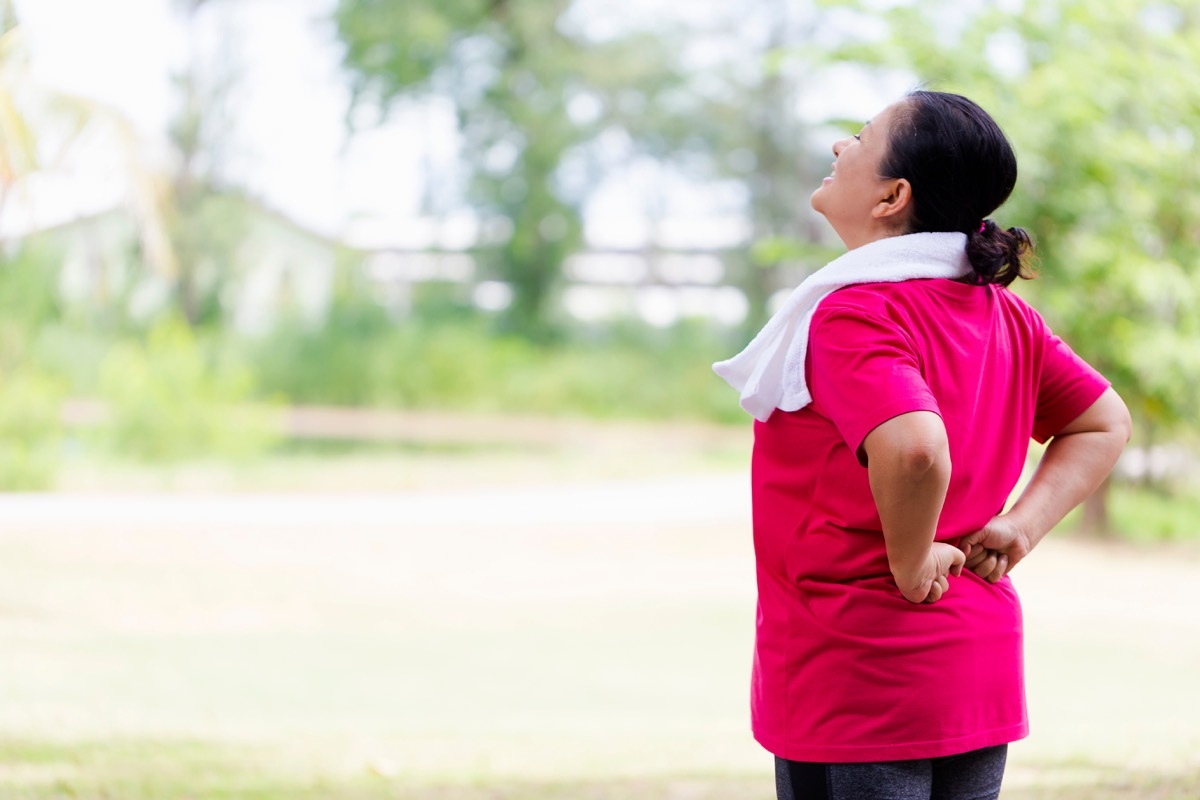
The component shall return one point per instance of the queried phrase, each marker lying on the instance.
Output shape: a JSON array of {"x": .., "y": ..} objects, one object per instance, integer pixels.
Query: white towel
[{"x": 769, "y": 373}]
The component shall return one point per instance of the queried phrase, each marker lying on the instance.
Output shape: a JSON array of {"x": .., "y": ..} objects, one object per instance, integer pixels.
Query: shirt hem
[{"x": 852, "y": 754}]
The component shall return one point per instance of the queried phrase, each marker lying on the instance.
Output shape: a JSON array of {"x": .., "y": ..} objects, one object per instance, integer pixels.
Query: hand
[
  {"x": 992, "y": 551},
  {"x": 927, "y": 581}
]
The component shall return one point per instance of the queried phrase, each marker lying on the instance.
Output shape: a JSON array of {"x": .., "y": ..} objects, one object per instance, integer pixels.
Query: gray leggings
[{"x": 971, "y": 776}]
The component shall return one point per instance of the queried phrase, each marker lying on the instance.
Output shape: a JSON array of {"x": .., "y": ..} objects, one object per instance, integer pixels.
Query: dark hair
[{"x": 961, "y": 168}]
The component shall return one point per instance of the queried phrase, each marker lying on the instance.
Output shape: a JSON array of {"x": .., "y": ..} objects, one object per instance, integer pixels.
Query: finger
[
  {"x": 935, "y": 593},
  {"x": 986, "y": 565},
  {"x": 937, "y": 589},
  {"x": 957, "y": 559},
  {"x": 1000, "y": 569},
  {"x": 980, "y": 555},
  {"x": 969, "y": 543}
]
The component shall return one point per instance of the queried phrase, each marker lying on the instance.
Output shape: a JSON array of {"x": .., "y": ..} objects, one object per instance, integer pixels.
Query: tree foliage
[
  {"x": 752, "y": 133},
  {"x": 532, "y": 91},
  {"x": 205, "y": 234},
  {"x": 1102, "y": 104}
]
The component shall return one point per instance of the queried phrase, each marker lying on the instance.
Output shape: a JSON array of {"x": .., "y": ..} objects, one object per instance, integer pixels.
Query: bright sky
[{"x": 287, "y": 141}]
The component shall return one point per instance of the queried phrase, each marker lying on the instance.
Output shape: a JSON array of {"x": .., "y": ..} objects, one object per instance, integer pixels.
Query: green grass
[
  {"x": 156, "y": 770},
  {"x": 135, "y": 770},
  {"x": 181, "y": 770}
]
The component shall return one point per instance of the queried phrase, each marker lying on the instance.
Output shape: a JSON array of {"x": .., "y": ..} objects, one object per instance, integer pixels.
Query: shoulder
[
  {"x": 886, "y": 301},
  {"x": 926, "y": 294},
  {"x": 1018, "y": 308},
  {"x": 860, "y": 316},
  {"x": 859, "y": 301}
]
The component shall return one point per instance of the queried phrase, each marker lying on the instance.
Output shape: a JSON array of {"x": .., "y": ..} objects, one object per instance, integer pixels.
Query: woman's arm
[
  {"x": 908, "y": 464},
  {"x": 1075, "y": 463}
]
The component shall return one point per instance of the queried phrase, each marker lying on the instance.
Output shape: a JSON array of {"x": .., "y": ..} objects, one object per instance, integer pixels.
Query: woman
[{"x": 896, "y": 393}]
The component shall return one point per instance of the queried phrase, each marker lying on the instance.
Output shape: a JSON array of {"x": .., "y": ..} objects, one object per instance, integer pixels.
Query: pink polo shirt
[{"x": 845, "y": 669}]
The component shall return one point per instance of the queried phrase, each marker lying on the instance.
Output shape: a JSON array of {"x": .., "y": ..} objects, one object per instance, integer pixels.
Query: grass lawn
[{"x": 497, "y": 626}]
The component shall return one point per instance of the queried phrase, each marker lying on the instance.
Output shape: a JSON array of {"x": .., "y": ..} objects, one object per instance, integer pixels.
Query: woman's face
[{"x": 854, "y": 189}]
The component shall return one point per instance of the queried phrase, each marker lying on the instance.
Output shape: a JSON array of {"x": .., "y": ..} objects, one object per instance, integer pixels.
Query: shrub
[
  {"x": 362, "y": 358},
  {"x": 30, "y": 430},
  {"x": 168, "y": 400}
]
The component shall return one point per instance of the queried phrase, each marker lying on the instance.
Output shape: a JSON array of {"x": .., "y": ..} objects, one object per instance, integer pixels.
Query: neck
[{"x": 857, "y": 239}]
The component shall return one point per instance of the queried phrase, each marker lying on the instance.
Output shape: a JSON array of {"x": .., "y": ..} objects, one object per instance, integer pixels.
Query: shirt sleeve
[
  {"x": 1067, "y": 387},
  {"x": 862, "y": 371}
]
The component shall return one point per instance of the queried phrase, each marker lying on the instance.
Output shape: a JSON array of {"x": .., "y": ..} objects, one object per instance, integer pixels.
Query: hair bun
[{"x": 997, "y": 255}]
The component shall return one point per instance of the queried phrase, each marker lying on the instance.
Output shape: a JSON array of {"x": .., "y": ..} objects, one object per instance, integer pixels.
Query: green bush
[
  {"x": 332, "y": 364},
  {"x": 1155, "y": 514},
  {"x": 30, "y": 430},
  {"x": 169, "y": 400},
  {"x": 363, "y": 358},
  {"x": 29, "y": 294}
]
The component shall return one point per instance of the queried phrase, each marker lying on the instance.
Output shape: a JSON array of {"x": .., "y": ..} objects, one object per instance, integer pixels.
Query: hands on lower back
[
  {"x": 992, "y": 551},
  {"x": 927, "y": 581}
]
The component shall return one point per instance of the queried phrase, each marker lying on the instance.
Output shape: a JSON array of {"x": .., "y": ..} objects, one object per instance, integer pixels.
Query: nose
[{"x": 840, "y": 145}]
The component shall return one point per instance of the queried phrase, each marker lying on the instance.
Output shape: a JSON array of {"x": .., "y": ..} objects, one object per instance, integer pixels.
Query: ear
[{"x": 896, "y": 202}]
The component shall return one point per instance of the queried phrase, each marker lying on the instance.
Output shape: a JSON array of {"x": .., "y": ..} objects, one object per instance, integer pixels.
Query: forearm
[
  {"x": 909, "y": 493},
  {"x": 1072, "y": 467},
  {"x": 909, "y": 471},
  {"x": 1076, "y": 461}
]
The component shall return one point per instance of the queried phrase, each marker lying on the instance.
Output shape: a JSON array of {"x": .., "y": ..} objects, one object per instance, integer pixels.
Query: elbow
[
  {"x": 1108, "y": 417},
  {"x": 1120, "y": 423},
  {"x": 931, "y": 460},
  {"x": 1116, "y": 427},
  {"x": 926, "y": 455},
  {"x": 911, "y": 444},
  {"x": 1124, "y": 426}
]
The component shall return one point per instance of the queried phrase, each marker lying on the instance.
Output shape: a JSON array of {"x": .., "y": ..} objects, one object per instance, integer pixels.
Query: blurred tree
[
  {"x": 1102, "y": 103},
  {"x": 751, "y": 123},
  {"x": 532, "y": 91},
  {"x": 205, "y": 230}
]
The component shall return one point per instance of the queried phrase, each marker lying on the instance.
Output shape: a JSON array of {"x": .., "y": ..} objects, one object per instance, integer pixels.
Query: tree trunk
[{"x": 1095, "y": 522}]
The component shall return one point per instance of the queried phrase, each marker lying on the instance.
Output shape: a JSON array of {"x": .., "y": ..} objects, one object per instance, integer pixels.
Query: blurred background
[{"x": 358, "y": 436}]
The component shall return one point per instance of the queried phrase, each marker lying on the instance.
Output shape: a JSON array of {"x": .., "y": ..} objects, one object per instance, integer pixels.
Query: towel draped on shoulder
[{"x": 769, "y": 373}]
